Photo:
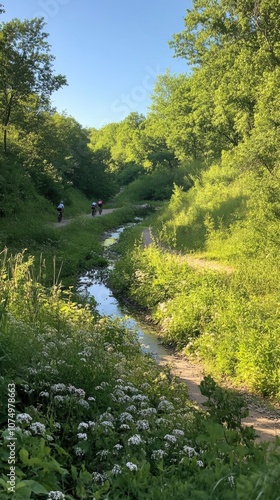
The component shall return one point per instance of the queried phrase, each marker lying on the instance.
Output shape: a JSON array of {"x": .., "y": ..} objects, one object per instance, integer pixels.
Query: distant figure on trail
[
  {"x": 60, "y": 210},
  {"x": 93, "y": 208},
  {"x": 100, "y": 205}
]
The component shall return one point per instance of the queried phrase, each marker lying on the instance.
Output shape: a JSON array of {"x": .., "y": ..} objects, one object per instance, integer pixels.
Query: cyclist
[
  {"x": 100, "y": 205},
  {"x": 93, "y": 208},
  {"x": 60, "y": 210}
]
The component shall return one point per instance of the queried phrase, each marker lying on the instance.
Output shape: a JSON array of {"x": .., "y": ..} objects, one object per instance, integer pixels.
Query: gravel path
[{"x": 264, "y": 418}]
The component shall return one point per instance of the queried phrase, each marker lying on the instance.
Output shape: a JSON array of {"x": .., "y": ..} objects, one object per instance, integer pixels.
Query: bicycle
[
  {"x": 59, "y": 215},
  {"x": 93, "y": 211}
]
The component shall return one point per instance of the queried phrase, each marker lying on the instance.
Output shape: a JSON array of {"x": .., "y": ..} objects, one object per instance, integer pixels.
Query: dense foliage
[
  {"x": 45, "y": 154},
  {"x": 93, "y": 417}
]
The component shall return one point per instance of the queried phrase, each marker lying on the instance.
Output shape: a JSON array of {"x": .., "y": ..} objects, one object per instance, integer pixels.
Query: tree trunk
[
  {"x": 5, "y": 140},
  {"x": 6, "y": 121}
]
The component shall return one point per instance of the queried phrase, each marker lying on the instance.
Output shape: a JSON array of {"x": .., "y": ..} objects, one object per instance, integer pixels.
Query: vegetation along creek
[
  {"x": 140, "y": 347},
  {"x": 94, "y": 283}
]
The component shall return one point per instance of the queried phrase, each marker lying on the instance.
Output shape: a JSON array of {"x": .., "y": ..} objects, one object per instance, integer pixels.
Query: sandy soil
[{"x": 264, "y": 418}]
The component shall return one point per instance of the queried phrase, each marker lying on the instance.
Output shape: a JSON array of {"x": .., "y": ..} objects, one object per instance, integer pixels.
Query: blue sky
[{"x": 110, "y": 51}]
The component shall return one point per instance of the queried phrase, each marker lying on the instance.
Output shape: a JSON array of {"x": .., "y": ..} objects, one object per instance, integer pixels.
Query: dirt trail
[
  {"x": 64, "y": 222},
  {"x": 266, "y": 420}
]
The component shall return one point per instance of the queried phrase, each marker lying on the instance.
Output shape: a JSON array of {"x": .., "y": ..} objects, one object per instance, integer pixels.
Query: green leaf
[
  {"x": 24, "y": 456},
  {"x": 34, "y": 486}
]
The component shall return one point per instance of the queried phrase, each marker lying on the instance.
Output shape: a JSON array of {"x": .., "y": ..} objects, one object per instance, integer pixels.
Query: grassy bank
[
  {"x": 60, "y": 253},
  {"x": 89, "y": 416},
  {"x": 230, "y": 321}
]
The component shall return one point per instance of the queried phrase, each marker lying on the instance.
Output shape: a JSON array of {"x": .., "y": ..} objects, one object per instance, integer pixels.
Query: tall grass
[
  {"x": 231, "y": 321},
  {"x": 95, "y": 418}
]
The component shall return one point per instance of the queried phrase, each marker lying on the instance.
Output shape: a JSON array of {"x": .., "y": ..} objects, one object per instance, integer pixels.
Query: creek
[{"x": 93, "y": 284}]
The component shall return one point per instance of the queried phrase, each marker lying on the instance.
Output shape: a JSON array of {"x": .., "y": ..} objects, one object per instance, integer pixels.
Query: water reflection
[{"x": 92, "y": 285}]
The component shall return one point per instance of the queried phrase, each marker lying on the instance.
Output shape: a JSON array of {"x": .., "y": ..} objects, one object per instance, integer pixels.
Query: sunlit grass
[{"x": 94, "y": 416}]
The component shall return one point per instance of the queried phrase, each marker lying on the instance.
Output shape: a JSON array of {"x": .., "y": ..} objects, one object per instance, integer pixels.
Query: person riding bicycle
[
  {"x": 93, "y": 207},
  {"x": 100, "y": 205},
  {"x": 60, "y": 209}
]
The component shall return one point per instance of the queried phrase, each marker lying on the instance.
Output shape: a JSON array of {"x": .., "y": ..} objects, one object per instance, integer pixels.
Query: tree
[{"x": 26, "y": 69}]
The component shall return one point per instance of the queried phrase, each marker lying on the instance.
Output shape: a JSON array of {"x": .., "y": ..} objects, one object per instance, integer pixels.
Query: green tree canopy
[{"x": 26, "y": 69}]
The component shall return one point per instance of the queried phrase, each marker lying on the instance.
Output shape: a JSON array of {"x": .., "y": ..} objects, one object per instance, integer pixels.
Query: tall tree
[{"x": 26, "y": 68}]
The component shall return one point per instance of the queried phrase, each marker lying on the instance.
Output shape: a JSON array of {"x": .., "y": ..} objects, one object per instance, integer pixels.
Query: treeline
[
  {"x": 228, "y": 102},
  {"x": 43, "y": 153},
  {"x": 225, "y": 116}
]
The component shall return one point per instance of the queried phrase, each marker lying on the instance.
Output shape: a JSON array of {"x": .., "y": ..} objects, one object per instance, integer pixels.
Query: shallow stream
[{"x": 93, "y": 284}]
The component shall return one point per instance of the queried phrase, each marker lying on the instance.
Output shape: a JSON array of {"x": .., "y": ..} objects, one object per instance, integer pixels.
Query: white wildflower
[
  {"x": 178, "y": 432},
  {"x": 126, "y": 417},
  {"x": 82, "y": 436},
  {"x": 131, "y": 466},
  {"x": 84, "y": 353},
  {"x": 74, "y": 390},
  {"x": 103, "y": 453},
  {"x": 170, "y": 438},
  {"x": 116, "y": 470},
  {"x": 189, "y": 451},
  {"x": 162, "y": 421},
  {"x": 158, "y": 454},
  {"x": 23, "y": 418},
  {"x": 99, "y": 478},
  {"x": 56, "y": 495},
  {"x": 37, "y": 428},
  {"x": 83, "y": 403},
  {"x": 145, "y": 386},
  {"x": 44, "y": 394},
  {"x": 107, "y": 423},
  {"x": 106, "y": 416},
  {"x": 58, "y": 388},
  {"x": 165, "y": 405},
  {"x": 136, "y": 439},
  {"x": 131, "y": 408},
  {"x": 119, "y": 392},
  {"x": 79, "y": 451},
  {"x": 147, "y": 411},
  {"x": 32, "y": 371},
  {"x": 142, "y": 425},
  {"x": 82, "y": 426},
  {"x": 124, "y": 399},
  {"x": 231, "y": 480},
  {"x": 124, "y": 427},
  {"x": 139, "y": 397},
  {"x": 91, "y": 398},
  {"x": 131, "y": 388},
  {"x": 118, "y": 446},
  {"x": 200, "y": 463},
  {"x": 144, "y": 404}
]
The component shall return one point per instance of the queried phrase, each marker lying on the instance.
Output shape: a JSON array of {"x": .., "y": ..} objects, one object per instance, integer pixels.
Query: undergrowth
[{"x": 88, "y": 415}]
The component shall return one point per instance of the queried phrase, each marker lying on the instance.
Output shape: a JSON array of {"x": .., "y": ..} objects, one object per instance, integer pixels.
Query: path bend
[{"x": 265, "y": 419}]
